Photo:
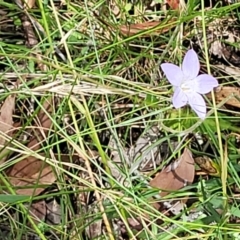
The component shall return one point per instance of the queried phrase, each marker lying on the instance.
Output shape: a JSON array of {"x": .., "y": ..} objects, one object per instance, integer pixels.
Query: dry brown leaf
[
  {"x": 32, "y": 171},
  {"x": 30, "y": 3},
  {"x": 44, "y": 125},
  {"x": 172, "y": 178},
  {"x": 176, "y": 175},
  {"x": 27, "y": 167},
  {"x": 138, "y": 27},
  {"x": 6, "y": 123},
  {"x": 222, "y": 93},
  {"x": 31, "y": 165},
  {"x": 42, "y": 174},
  {"x": 174, "y": 4},
  {"x": 33, "y": 185},
  {"x": 135, "y": 223},
  {"x": 38, "y": 211}
]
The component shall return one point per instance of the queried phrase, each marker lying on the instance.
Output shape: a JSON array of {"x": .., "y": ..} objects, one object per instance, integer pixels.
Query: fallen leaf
[
  {"x": 42, "y": 127},
  {"x": 145, "y": 153},
  {"x": 29, "y": 3},
  {"x": 33, "y": 184},
  {"x": 216, "y": 48},
  {"x": 208, "y": 166},
  {"x": 174, "y": 177},
  {"x": 222, "y": 93},
  {"x": 177, "y": 175},
  {"x": 132, "y": 29},
  {"x": 54, "y": 213},
  {"x": 174, "y": 4},
  {"x": 38, "y": 211},
  {"x": 31, "y": 174},
  {"x": 135, "y": 223},
  {"x": 40, "y": 176},
  {"x": 6, "y": 124},
  {"x": 115, "y": 164}
]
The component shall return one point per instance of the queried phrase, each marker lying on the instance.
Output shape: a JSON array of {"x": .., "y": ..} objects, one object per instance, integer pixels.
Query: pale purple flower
[{"x": 188, "y": 85}]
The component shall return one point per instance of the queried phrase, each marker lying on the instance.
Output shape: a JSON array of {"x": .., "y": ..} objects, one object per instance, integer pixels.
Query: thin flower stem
[
  {"x": 179, "y": 121},
  {"x": 223, "y": 163}
]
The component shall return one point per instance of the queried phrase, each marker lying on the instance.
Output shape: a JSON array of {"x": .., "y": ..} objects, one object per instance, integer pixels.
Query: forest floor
[{"x": 93, "y": 143}]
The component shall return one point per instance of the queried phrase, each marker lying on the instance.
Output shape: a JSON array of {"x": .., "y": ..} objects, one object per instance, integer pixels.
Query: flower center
[{"x": 186, "y": 86}]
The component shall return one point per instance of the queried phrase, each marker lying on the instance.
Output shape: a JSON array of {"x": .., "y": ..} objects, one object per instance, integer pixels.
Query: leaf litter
[
  {"x": 32, "y": 171},
  {"x": 136, "y": 159},
  {"x": 31, "y": 176},
  {"x": 177, "y": 175},
  {"x": 6, "y": 125}
]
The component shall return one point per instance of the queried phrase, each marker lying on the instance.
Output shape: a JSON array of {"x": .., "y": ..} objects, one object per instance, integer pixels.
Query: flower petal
[
  {"x": 179, "y": 98},
  {"x": 190, "y": 65},
  {"x": 204, "y": 83},
  {"x": 197, "y": 103},
  {"x": 173, "y": 73}
]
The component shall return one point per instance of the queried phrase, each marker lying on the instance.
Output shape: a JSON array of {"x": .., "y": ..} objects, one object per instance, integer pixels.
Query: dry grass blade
[
  {"x": 138, "y": 27},
  {"x": 32, "y": 171},
  {"x": 85, "y": 89},
  {"x": 6, "y": 123}
]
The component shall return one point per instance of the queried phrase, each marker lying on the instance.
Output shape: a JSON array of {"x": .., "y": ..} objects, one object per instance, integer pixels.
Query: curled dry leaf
[
  {"x": 232, "y": 93},
  {"x": 6, "y": 124},
  {"x": 208, "y": 166},
  {"x": 145, "y": 153},
  {"x": 174, "y": 177},
  {"x": 31, "y": 173},
  {"x": 116, "y": 164}
]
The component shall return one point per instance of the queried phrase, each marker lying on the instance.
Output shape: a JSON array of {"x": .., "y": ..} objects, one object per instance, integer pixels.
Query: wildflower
[{"x": 188, "y": 85}]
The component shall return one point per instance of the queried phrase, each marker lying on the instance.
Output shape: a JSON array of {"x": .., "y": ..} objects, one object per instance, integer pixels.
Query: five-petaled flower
[{"x": 188, "y": 85}]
